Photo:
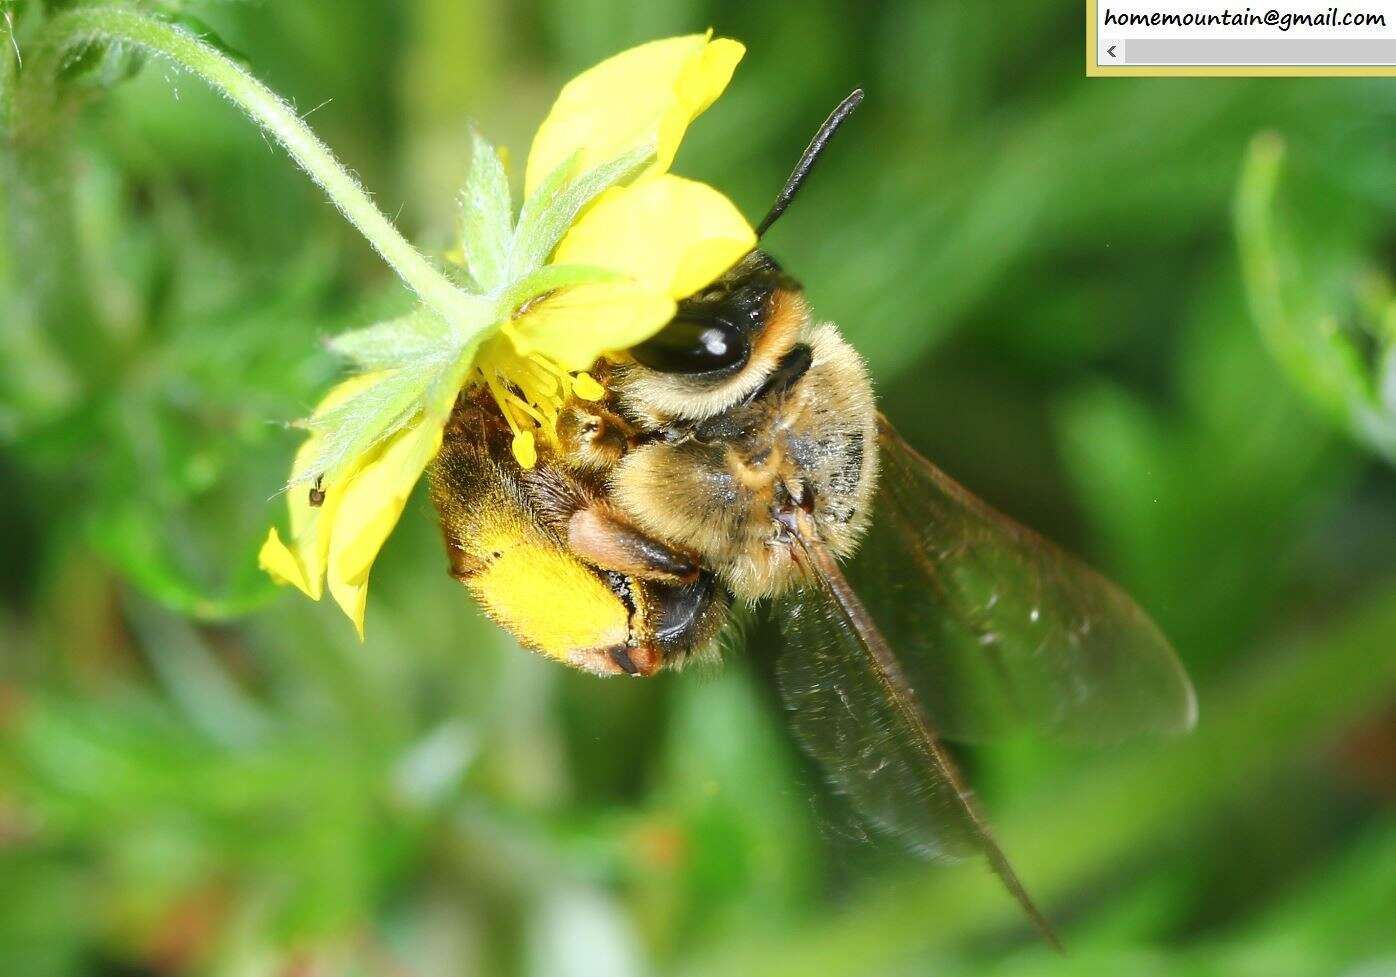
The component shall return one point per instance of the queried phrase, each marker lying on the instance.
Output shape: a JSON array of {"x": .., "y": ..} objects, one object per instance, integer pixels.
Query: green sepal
[
  {"x": 355, "y": 426},
  {"x": 421, "y": 334},
  {"x": 420, "y": 362},
  {"x": 422, "y": 359},
  {"x": 551, "y": 278},
  {"x": 487, "y": 215},
  {"x": 553, "y": 208}
]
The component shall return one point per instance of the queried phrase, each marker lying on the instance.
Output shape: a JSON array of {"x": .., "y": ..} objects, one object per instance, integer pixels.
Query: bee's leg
[
  {"x": 685, "y": 618},
  {"x": 592, "y": 438},
  {"x": 602, "y": 537},
  {"x": 676, "y": 622},
  {"x": 575, "y": 507}
]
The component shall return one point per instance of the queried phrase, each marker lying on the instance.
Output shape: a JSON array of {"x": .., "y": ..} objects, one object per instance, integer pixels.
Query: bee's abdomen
[{"x": 504, "y": 545}]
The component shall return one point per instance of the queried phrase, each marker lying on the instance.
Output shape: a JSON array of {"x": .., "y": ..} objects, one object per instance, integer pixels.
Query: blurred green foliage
[{"x": 201, "y": 775}]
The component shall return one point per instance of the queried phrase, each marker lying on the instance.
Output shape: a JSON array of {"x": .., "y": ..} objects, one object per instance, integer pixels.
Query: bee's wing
[
  {"x": 1000, "y": 631},
  {"x": 853, "y": 711}
]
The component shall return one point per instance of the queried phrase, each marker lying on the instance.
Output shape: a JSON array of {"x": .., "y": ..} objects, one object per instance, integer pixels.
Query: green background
[{"x": 1105, "y": 306}]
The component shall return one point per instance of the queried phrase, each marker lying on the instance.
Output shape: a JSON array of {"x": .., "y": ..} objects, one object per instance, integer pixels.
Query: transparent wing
[
  {"x": 852, "y": 710},
  {"x": 997, "y": 629},
  {"x": 844, "y": 716}
]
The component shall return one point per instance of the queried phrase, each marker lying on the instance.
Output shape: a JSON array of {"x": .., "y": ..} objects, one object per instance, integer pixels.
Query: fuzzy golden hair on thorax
[{"x": 716, "y": 490}]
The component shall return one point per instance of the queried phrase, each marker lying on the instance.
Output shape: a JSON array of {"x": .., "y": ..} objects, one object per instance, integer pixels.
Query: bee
[{"x": 739, "y": 456}]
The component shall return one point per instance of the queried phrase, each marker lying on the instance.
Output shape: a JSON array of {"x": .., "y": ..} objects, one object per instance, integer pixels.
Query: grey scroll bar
[{"x": 1257, "y": 51}]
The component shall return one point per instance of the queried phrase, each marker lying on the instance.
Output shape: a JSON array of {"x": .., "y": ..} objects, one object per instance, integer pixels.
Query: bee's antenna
[{"x": 810, "y": 156}]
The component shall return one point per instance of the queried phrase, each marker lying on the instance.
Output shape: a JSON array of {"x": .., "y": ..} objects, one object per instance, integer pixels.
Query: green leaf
[
  {"x": 194, "y": 675},
  {"x": 102, "y": 65},
  {"x": 1295, "y": 315},
  {"x": 1388, "y": 379},
  {"x": 421, "y": 334},
  {"x": 486, "y": 215},
  {"x": 553, "y": 208},
  {"x": 171, "y": 555}
]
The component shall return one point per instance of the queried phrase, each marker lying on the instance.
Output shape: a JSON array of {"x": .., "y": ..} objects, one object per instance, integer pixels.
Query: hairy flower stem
[
  {"x": 72, "y": 30},
  {"x": 48, "y": 310}
]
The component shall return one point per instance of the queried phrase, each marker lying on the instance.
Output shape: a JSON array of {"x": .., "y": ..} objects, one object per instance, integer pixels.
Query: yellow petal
[
  {"x": 302, "y": 562},
  {"x": 369, "y": 509},
  {"x": 671, "y": 234},
  {"x": 282, "y": 565},
  {"x": 647, "y": 95},
  {"x": 298, "y": 497},
  {"x": 576, "y": 326},
  {"x": 352, "y": 599},
  {"x": 311, "y": 527}
]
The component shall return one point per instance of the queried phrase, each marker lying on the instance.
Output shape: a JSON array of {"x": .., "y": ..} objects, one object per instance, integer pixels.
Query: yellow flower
[
  {"x": 648, "y": 94},
  {"x": 666, "y": 236},
  {"x": 338, "y": 527},
  {"x": 611, "y": 280}
]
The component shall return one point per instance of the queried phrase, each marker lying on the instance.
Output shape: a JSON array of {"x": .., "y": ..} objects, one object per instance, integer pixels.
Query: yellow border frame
[{"x": 1228, "y": 71}]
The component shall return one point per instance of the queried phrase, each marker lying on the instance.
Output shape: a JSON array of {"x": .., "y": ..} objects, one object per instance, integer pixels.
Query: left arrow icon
[{"x": 1110, "y": 50}]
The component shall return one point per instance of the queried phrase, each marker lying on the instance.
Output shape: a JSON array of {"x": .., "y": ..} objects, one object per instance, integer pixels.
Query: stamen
[
  {"x": 502, "y": 399},
  {"x": 524, "y": 449},
  {"x": 548, "y": 380},
  {"x": 529, "y": 409},
  {"x": 548, "y": 364},
  {"x": 585, "y": 387},
  {"x": 530, "y": 388}
]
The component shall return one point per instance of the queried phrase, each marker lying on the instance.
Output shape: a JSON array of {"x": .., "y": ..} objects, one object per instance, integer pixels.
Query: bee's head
[
  {"x": 722, "y": 345},
  {"x": 737, "y": 338}
]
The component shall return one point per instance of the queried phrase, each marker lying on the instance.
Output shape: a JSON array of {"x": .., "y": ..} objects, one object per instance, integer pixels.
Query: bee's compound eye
[{"x": 694, "y": 344}]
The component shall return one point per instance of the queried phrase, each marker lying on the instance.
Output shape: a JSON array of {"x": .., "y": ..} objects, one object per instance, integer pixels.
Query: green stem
[{"x": 83, "y": 26}]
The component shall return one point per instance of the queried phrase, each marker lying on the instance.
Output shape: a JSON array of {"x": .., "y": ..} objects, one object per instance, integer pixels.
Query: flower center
[{"x": 530, "y": 389}]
